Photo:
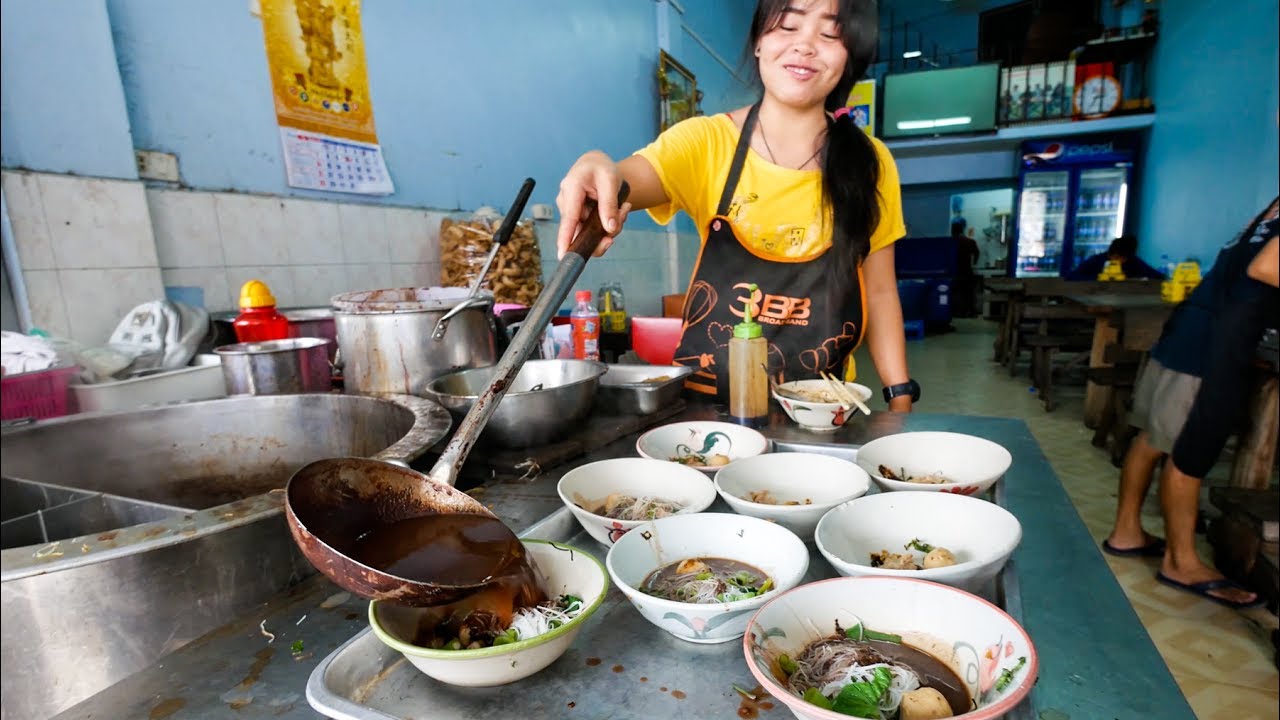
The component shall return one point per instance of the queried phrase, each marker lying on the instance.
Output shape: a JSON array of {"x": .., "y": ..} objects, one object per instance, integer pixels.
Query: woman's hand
[{"x": 594, "y": 176}]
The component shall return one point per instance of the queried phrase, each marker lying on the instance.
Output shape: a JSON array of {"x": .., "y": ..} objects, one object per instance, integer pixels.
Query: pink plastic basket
[{"x": 40, "y": 394}]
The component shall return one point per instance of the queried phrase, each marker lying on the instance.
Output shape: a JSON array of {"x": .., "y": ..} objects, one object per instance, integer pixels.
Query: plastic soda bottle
[{"x": 585, "y": 323}]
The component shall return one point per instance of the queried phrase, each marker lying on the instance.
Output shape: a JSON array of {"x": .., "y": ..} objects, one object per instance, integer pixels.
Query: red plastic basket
[{"x": 40, "y": 394}]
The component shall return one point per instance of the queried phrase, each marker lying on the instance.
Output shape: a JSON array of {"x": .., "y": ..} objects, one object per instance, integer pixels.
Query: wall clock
[{"x": 1097, "y": 92}]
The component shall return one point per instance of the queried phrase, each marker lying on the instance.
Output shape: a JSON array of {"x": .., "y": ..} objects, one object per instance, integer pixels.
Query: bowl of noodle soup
[
  {"x": 897, "y": 534},
  {"x": 739, "y": 563},
  {"x": 535, "y": 639},
  {"x": 911, "y": 649},
  {"x": 813, "y": 405},
  {"x": 934, "y": 462},
  {"x": 610, "y": 497}
]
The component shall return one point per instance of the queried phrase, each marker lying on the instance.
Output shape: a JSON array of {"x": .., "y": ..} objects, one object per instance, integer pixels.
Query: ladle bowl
[{"x": 332, "y": 503}]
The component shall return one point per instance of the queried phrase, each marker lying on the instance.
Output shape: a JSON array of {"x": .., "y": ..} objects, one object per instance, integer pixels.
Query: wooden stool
[{"x": 1246, "y": 538}]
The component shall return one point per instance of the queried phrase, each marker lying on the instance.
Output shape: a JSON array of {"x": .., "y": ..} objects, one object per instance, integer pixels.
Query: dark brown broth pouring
[{"x": 455, "y": 549}]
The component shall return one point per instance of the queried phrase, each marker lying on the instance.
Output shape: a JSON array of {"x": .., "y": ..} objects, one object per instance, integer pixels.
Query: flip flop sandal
[
  {"x": 1153, "y": 549},
  {"x": 1203, "y": 589}
]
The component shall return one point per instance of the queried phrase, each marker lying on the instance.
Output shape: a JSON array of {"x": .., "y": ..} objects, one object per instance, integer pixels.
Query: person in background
[
  {"x": 1192, "y": 395},
  {"x": 1123, "y": 250},
  {"x": 965, "y": 280},
  {"x": 787, "y": 194}
]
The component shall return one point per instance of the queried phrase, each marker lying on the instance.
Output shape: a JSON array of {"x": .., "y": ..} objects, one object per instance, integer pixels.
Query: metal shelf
[{"x": 1010, "y": 137}]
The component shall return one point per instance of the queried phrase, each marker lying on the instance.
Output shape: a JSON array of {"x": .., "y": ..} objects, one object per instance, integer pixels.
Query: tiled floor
[{"x": 1222, "y": 659}]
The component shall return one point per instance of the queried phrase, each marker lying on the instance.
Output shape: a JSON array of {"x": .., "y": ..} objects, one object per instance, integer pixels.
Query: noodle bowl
[{"x": 830, "y": 634}]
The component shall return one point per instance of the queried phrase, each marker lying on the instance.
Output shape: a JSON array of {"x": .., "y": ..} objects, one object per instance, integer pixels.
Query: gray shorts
[{"x": 1161, "y": 402}]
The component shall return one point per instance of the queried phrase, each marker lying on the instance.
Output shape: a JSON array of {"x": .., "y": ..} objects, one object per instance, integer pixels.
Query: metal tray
[
  {"x": 623, "y": 390},
  {"x": 620, "y": 666}
]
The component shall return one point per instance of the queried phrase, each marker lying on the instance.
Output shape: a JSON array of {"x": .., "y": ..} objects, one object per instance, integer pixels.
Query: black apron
[{"x": 809, "y": 328}]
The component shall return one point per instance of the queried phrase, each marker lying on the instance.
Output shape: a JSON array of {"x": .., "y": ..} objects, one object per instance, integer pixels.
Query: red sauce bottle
[{"x": 259, "y": 320}]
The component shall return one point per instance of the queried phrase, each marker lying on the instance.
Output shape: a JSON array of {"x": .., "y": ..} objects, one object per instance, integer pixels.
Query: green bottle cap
[{"x": 748, "y": 328}]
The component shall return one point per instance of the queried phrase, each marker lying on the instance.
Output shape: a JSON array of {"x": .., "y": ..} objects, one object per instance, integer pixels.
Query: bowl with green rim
[{"x": 560, "y": 569}]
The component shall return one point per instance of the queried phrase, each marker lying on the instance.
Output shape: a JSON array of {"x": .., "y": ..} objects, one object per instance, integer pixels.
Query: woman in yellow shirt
[{"x": 786, "y": 196}]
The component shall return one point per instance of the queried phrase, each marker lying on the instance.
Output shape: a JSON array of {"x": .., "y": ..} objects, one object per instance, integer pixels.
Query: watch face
[{"x": 1099, "y": 95}]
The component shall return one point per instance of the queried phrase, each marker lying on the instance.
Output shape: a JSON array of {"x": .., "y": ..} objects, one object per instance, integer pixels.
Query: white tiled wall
[
  {"x": 87, "y": 251},
  {"x": 306, "y": 251},
  {"x": 92, "y": 249}
]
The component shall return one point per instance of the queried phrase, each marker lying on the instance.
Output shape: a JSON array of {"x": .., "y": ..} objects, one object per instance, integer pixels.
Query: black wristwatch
[{"x": 910, "y": 387}]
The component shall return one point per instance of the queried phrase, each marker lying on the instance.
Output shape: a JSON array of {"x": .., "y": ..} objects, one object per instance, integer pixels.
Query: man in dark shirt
[
  {"x": 1123, "y": 250},
  {"x": 965, "y": 281},
  {"x": 1192, "y": 395}
]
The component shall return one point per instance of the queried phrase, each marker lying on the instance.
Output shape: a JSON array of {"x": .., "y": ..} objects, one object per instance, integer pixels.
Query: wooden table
[{"x": 1134, "y": 321}]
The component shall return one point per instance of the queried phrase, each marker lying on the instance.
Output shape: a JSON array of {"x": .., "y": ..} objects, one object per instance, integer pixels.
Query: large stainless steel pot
[
  {"x": 385, "y": 338},
  {"x": 127, "y": 535}
]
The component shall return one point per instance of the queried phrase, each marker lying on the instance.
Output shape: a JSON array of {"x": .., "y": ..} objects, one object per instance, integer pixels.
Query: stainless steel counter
[{"x": 1097, "y": 660}]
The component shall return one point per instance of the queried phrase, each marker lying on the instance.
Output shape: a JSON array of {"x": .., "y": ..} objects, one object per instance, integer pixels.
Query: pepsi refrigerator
[{"x": 1072, "y": 200}]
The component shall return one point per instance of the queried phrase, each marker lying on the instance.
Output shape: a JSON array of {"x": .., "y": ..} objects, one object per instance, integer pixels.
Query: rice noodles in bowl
[
  {"x": 889, "y": 648},
  {"x": 575, "y": 583},
  {"x": 699, "y": 577}
]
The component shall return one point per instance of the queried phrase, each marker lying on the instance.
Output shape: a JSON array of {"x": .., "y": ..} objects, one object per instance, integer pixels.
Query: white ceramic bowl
[
  {"x": 821, "y": 480},
  {"x": 561, "y": 570},
  {"x": 769, "y": 547},
  {"x": 705, "y": 437},
  {"x": 638, "y": 477},
  {"x": 973, "y": 464},
  {"x": 980, "y": 534},
  {"x": 818, "y": 416},
  {"x": 977, "y": 639}
]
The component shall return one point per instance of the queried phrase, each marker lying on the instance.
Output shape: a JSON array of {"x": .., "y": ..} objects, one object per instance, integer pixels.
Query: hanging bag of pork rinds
[{"x": 516, "y": 275}]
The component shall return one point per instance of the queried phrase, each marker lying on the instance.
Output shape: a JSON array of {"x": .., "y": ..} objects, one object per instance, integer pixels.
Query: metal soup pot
[
  {"x": 385, "y": 338},
  {"x": 276, "y": 367}
]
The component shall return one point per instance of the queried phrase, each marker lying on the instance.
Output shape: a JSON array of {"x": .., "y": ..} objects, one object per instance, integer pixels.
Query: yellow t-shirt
[{"x": 776, "y": 212}]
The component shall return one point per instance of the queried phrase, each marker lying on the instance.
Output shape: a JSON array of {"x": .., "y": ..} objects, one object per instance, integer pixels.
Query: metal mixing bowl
[{"x": 547, "y": 398}]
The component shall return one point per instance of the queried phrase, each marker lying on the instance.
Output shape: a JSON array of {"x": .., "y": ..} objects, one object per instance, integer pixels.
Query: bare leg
[
  {"x": 1180, "y": 501},
  {"x": 1135, "y": 480}
]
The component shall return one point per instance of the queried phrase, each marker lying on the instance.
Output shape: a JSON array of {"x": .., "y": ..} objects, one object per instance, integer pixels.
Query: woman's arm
[
  {"x": 598, "y": 177},
  {"x": 1265, "y": 266},
  {"x": 885, "y": 334}
]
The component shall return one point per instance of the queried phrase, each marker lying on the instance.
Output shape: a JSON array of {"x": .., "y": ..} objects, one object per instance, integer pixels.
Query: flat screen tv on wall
[{"x": 948, "y": 101}]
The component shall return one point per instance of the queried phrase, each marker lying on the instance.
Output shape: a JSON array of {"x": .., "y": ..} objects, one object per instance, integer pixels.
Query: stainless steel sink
[{"x": 127, "y": 535}]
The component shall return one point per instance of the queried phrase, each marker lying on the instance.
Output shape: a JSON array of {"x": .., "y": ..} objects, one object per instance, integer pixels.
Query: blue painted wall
[
  {"x": 468, "y": 98},
  {"x": 61, "y": 104},
  {"x": 1211, "y": 161}
]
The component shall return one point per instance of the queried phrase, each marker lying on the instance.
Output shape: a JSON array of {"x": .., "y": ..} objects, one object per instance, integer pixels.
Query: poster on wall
[
  {"x": 315, "y": 53},
  {"x": 862, "y": 106}
]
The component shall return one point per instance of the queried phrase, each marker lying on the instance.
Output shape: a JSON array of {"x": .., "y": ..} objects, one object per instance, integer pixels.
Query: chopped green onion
[
  {"x": 923, "y": 547},
  {"x": 1006, "y": 676},
  {"x": 296, "y": 647},
  {"x": 857, "y": 632},
  {"x": 703, "y": 575},
  {"x": 814, "y": 697},
  {"x": 507, "y": 637},
  {"x": 767, "y": 586},
  {"x": 787, "y": 665},
  {"x": 744, "y": 693}
]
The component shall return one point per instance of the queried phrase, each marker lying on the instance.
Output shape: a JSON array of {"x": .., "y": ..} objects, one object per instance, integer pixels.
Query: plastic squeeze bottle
[
  {"x": 258, "y": 320},
  {"x": 585, "y": 321},
  {"x": 748, "y": 373}
]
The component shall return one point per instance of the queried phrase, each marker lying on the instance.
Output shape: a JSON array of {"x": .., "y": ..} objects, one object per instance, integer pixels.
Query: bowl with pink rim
[{"x": 976, "y": 658}]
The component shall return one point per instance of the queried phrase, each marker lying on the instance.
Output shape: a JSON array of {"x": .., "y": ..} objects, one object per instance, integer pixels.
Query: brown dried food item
[{"x": 516, "y": 274}]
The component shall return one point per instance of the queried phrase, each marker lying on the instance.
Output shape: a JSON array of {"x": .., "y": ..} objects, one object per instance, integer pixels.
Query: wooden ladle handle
[{"x": 584, "y": 245}]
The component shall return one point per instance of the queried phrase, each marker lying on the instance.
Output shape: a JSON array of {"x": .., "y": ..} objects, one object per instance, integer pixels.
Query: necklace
[{"x": 770, "y": 150}]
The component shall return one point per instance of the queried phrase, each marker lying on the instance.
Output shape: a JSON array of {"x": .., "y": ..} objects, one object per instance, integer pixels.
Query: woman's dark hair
[{"x": 850, "y": 165}]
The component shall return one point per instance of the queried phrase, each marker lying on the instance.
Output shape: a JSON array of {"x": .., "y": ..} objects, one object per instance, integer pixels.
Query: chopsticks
[{"x": 843, "y": 393}]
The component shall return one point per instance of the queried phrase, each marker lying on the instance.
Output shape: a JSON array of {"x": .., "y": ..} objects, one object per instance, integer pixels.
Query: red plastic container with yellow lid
[{"x": 259, "y": 320}]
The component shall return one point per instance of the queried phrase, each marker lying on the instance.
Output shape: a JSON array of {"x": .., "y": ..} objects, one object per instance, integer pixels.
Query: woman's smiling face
[{"x": 802, "y": 56}]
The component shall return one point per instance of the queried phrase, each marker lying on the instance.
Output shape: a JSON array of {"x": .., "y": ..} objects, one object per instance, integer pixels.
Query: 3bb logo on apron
[{"x": 807, "y": 327}]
